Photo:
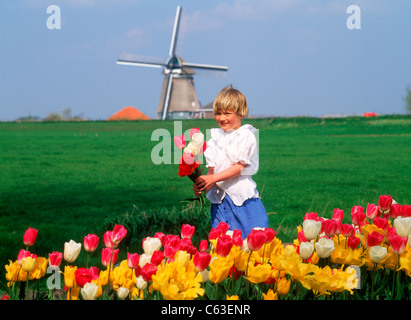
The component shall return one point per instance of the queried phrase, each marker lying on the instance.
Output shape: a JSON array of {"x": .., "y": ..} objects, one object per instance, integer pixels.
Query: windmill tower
[{"x": 178, "y": 98}]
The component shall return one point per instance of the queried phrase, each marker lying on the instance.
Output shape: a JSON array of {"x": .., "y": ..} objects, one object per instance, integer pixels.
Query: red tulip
[
  {"x": 224, "y": 245},
  {"x": 187, "y": 165},
  {"x": 223, "y": 227},
  {"x": 347, "y": 230},
  {"x": 395, "y": 211},
  {"x": 119, "y": 232},
  {"x": 384, "y": 203},
  {"x": 147, "y": 271},
  {"x": 405, "y": 211},
  {"x": 30, "y": 236},
  {"x": 157, "y": 257},
  {"x": 214, "y": 234},
  {"x": 353, "y": 242},
  {"x": 201, "y": 260},
  {"x": 381, "y": 223},
  {"x": 170, "y": 251},
  {"x": 256, "y": 239},
  {"x": 187, "y": 231},
  {"x": 397, "y": 243},
  {"x": 84, "y": 275},
  {"x": 91, "y": 242},
  {"x": 269, "y": 234},
  {"x": 109, "y": 256},
  {"x": 374, "y": 239},
  {"x": 338, "y": 214},
  {"x": 237, "y": 238},
  {"x": 55, "y": 259},
  {"x": 132, "y": 260},
  {"x": 311, "y": 216}
]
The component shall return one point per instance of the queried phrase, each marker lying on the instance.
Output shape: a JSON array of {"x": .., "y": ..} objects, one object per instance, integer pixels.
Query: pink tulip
[
  {"x": 91, "y": 242},
  {"x": 397, "y": 243},
  {"x": 107, "y": 239},
  {"x": 203, "y": 245},
  {"x": 187, "y": 231},
  {"x": 358, "y": 217},
  {"x": 119, "y": 232},
  {"x": 347, "y": 230},
  {"x": 161, "y": 236},
  {"x": 24, "y": 254},
  {"x": 330, "y": 227},
  {"x": 338, "y": 214},
  {"x": 55, "y": 259},
  {"x": 193, "y": 131},
  {"x": 180, "y": 141},
  {"x": 132, "y": 260},
  {"x": 372, "y": 211},
  {"x": 109, "y": 256},
  {"x": 30, "y": 236}
]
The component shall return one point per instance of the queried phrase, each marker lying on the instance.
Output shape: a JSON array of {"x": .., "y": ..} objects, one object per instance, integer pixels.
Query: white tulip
[
  {"x": 150, "y": 245},
  {"x": 311, "y": 229},
  {"x": 144, "y": 258},
  {"x": 141, "y": 283},
  {"x": 89, "y": 291},
  {"x": 122, "y": 293},
  {"x": 306, "y": 249},
  {"x": 403, "y": 226},
  {"x": 324, "y": 247},
  {"x": 71, "y": 251},
  {"x": 377, "y": 253}
]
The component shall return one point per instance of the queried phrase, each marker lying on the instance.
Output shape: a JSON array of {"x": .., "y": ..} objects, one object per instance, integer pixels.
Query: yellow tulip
[
  {"x": 28, "y": 264},
  {"x": 283, "y": 286},
  {"x": 270, "y": 295},
  {"x": 259, "y": 273},
  {"x": 219, "y": 269},
  {"x": 235, "y": 297},
  {"x": 69, "y": 278}
]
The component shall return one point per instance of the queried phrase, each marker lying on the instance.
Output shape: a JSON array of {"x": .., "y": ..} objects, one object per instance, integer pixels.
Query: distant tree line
[{"x": 64, "y": 115}]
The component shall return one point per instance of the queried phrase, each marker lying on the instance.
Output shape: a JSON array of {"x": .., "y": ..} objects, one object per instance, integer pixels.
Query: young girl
[{"x": 232, "y": 159}]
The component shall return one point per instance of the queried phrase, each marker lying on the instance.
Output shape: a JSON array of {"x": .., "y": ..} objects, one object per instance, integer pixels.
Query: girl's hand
[{"x": 202, "y": 183}]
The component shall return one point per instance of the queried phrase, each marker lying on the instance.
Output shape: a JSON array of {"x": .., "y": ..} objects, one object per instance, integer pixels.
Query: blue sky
[{"x": 289, "y": 57}]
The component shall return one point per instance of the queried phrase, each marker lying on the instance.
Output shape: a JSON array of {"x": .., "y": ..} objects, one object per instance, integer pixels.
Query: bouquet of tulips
[{"x": 189, "y": 164}]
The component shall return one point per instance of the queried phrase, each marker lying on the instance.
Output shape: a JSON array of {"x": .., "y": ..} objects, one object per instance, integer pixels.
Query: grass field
[{"x": 67, "y": 178}]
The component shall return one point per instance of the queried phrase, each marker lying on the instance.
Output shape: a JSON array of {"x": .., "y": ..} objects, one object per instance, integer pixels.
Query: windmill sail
[{"x": 178, "y": 95}]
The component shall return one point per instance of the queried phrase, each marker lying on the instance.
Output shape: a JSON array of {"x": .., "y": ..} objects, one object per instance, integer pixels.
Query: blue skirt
[{"x": 249, "y": 215}]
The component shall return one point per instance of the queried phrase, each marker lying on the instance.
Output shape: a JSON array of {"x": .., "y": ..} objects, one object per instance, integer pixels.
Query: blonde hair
[{"x": 230, "y": 99}]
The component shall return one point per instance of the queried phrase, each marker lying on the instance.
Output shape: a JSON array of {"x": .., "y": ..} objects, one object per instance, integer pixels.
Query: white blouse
[{"x": 225, "y": 149}]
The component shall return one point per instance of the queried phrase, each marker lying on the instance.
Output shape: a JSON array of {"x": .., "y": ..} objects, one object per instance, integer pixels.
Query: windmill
[{"x": 178, "y": 98}]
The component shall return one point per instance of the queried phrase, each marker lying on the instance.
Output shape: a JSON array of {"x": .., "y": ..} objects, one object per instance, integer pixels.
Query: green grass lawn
[{"x": 67, "y": 178}]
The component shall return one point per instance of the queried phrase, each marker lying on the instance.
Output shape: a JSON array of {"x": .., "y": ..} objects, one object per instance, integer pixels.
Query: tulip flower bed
[{"x": 369, "y": 258}]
